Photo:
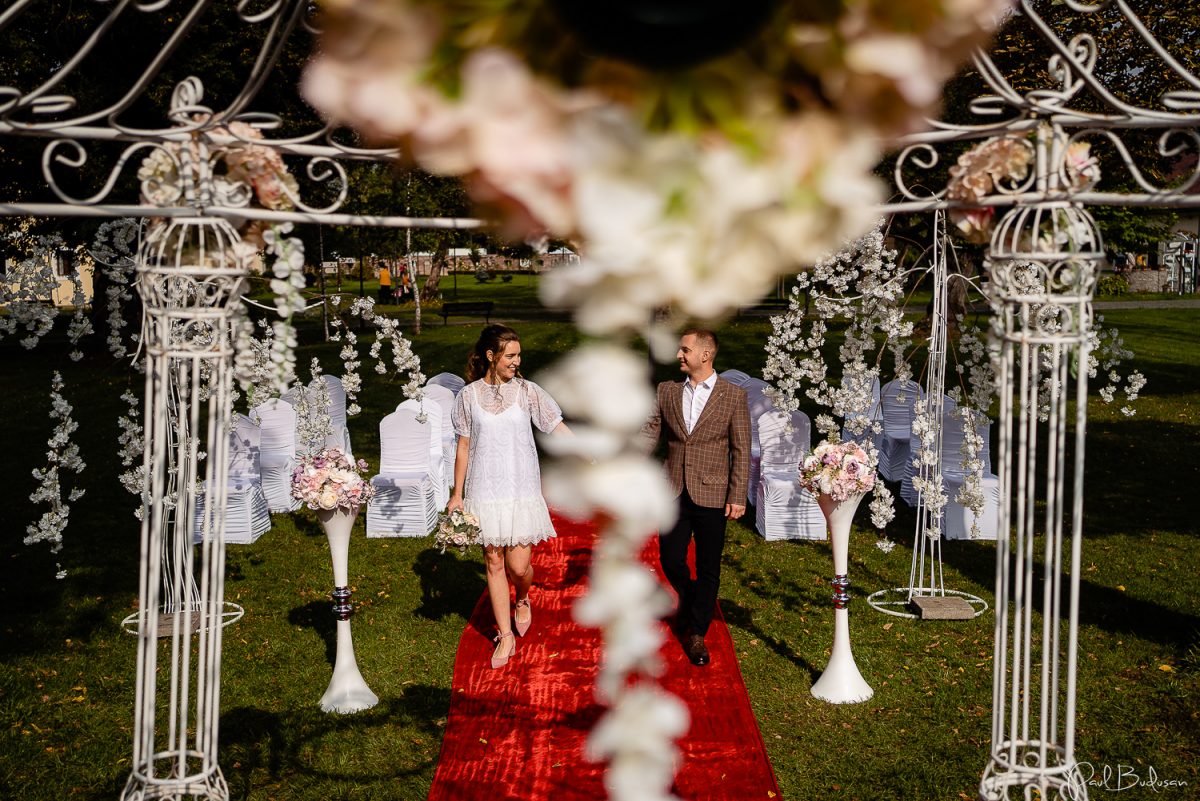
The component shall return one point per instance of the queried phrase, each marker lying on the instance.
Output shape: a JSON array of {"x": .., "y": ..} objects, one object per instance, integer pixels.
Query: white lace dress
[{"x": 504, "y": 485}]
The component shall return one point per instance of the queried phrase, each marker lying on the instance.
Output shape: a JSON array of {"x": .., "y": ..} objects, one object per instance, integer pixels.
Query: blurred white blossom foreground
[{"x": 692, "y": 164}]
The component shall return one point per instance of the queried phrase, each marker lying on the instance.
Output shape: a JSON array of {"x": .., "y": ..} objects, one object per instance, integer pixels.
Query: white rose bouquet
[{"x": 456, "y": 529}]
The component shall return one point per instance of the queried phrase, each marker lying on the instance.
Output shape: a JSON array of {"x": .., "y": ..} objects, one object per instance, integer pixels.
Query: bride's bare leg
[
  {"x": 497, "y": 582},
  {"x": 520, "y": 572},
  {"x": 520, "y": 569}
]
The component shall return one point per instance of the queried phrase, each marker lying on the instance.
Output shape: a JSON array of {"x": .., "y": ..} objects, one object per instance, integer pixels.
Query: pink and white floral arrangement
[
  {"x": 1002, "y": 166},
  {"x": 457, "y": 529},
  {"x": 837, "y": 469},
  {"x": 330, "y": 480}
]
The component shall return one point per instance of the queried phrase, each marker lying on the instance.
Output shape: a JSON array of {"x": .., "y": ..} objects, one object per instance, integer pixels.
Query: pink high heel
[
  {"x": 501, "y": 661},
  {"x": 523, "y": 627}
]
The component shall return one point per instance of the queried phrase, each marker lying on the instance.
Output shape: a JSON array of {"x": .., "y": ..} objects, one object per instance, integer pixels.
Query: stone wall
[{"x": 1147, "y": 280}]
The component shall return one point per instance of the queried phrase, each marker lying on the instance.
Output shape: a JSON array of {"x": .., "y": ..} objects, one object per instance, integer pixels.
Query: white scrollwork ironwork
[{"x": 1080, "y": 106}]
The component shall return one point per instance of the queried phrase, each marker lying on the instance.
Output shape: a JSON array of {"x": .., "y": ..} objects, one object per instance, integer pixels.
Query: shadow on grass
[
  {"x": 1116, "y": 504},
  {"x": 318, "y": 616},
  {"x": 282, "y": 745},
  {"x": 306, "y": 523},
  {"x": 737, "y": 615},
  {"x": 1133, "y": 486},
  {"x": 1103, "y": 607},
  {"x": 450, "y": 585}
]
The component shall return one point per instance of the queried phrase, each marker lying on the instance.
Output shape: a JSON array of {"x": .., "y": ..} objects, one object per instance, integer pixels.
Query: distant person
[
  {"x": 406, "y": 285},
  {"x": 385, "y": 285}
]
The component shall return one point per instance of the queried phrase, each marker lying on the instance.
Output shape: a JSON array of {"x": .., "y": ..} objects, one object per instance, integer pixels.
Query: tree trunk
[{"x": 430, "y": 290}]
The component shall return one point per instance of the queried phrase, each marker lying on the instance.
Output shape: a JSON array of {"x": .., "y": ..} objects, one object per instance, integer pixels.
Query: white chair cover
[
  {"x": 784, "y": 509},
  {"x": 759, "y": 404},
  {"x": 291, "y": 396},
  {"x": 444, "y": 398},
  {"x": 958, "y": 519},
  {"x": 340, "y": 438},
  {"x": 405, "y": 502},
  {"x": 277, "y": 454},
  {"x": 896, "y": 400},
  {"x": 437, "y": 458},
  {"x": 246, "y": 515},
  {"x": 752, "y": 384},
  {"x": 735, "y": 377},
  {"x": 448, "y": 380}
]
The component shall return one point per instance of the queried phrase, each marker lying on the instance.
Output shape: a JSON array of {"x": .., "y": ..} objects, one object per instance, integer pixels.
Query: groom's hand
[{"x": 733, "y": 511}]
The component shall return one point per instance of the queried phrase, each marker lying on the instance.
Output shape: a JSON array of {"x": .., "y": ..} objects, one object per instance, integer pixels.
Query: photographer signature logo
[{"x": 1118, "y": 778}]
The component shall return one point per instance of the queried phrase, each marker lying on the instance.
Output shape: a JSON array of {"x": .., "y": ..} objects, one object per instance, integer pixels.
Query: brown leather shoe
[{"x": 696, "y": 650}]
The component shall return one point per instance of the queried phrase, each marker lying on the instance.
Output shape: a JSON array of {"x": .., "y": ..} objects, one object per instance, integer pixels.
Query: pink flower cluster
[
  {"x": 457, "y": 529},
  {"x": 259, "y": 166},
  {"x": 330, "y": 480},
  {"x": 837, "y": 469},
  {"x": 980, "y": 172}
]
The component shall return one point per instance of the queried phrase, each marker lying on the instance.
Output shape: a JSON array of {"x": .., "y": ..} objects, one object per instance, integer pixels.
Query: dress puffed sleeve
[
  {"x": 543, "y": 410},
  {"x": 461, "y": 416}
]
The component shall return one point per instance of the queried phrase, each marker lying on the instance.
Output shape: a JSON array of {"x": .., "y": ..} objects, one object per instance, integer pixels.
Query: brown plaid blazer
[{"x": 713, "y": 462}]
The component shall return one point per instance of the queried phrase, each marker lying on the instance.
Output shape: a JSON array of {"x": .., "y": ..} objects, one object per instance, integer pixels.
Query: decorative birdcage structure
[
  {"x": 190, "y": 278},
  {"x": 1042, "y": 263}
]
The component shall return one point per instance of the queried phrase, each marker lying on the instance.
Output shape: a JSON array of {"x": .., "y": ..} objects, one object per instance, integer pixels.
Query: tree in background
[{"x": 1128, "y": 67}]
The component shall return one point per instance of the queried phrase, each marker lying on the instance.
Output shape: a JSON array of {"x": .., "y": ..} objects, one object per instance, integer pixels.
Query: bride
[{"x": 496, "y": 475}]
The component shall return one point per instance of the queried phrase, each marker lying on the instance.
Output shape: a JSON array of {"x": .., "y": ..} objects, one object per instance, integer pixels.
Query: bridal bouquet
[
  {"x": 837, "y": 469},
  {"x": 330, "y": 480},
  {"x": 456, "y": 529}
]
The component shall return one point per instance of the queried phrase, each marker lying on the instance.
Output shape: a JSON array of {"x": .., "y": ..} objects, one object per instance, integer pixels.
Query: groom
[{"x": 706, "y": 423}]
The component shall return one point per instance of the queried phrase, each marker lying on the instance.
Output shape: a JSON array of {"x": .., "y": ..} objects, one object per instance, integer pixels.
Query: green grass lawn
[{"x": 66, "y": 670}]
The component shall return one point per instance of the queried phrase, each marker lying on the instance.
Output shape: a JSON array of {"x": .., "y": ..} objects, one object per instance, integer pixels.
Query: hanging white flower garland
[
  {"x": 26, "y": 288},
  {"x": 62, "y": 456},
  {"x": 114, "y": 249},
  {"x": 862, "y": 284}
]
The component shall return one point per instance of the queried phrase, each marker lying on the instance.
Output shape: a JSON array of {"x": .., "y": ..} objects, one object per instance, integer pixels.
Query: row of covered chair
[
  {"x": 778, "y": 441},
  {"x": 784, "y": 510},
  {"x": 262, "y": 456},
  {"x": 416, "y": 463},
  {"x": 417, "y": 440}
]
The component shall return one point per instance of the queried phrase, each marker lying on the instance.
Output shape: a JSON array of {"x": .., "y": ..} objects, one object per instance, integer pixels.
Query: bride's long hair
[{"x": 494, "y": 338}]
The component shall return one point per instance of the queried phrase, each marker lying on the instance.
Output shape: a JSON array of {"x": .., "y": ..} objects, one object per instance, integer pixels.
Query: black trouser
[{"x": 698, "y": 596}]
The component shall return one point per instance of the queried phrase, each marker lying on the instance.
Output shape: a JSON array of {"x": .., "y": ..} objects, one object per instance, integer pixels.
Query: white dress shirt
[{"x": 694, "y": 399}]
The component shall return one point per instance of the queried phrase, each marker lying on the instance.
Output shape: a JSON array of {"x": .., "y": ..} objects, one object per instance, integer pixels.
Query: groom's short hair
[{"x": 704, "y": 337}]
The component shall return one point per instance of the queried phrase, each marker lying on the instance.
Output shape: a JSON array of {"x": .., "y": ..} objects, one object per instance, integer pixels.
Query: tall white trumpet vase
[
  {"x": 347, "y": 691},
  {"x": 841, "y": 683}
]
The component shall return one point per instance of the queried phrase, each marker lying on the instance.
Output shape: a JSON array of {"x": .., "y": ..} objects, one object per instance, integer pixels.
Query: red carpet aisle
[{"x": 517, "y": 733}]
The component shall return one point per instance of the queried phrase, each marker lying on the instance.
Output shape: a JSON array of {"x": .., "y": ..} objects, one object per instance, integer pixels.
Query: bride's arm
[{"x": 460, "y": 473}]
